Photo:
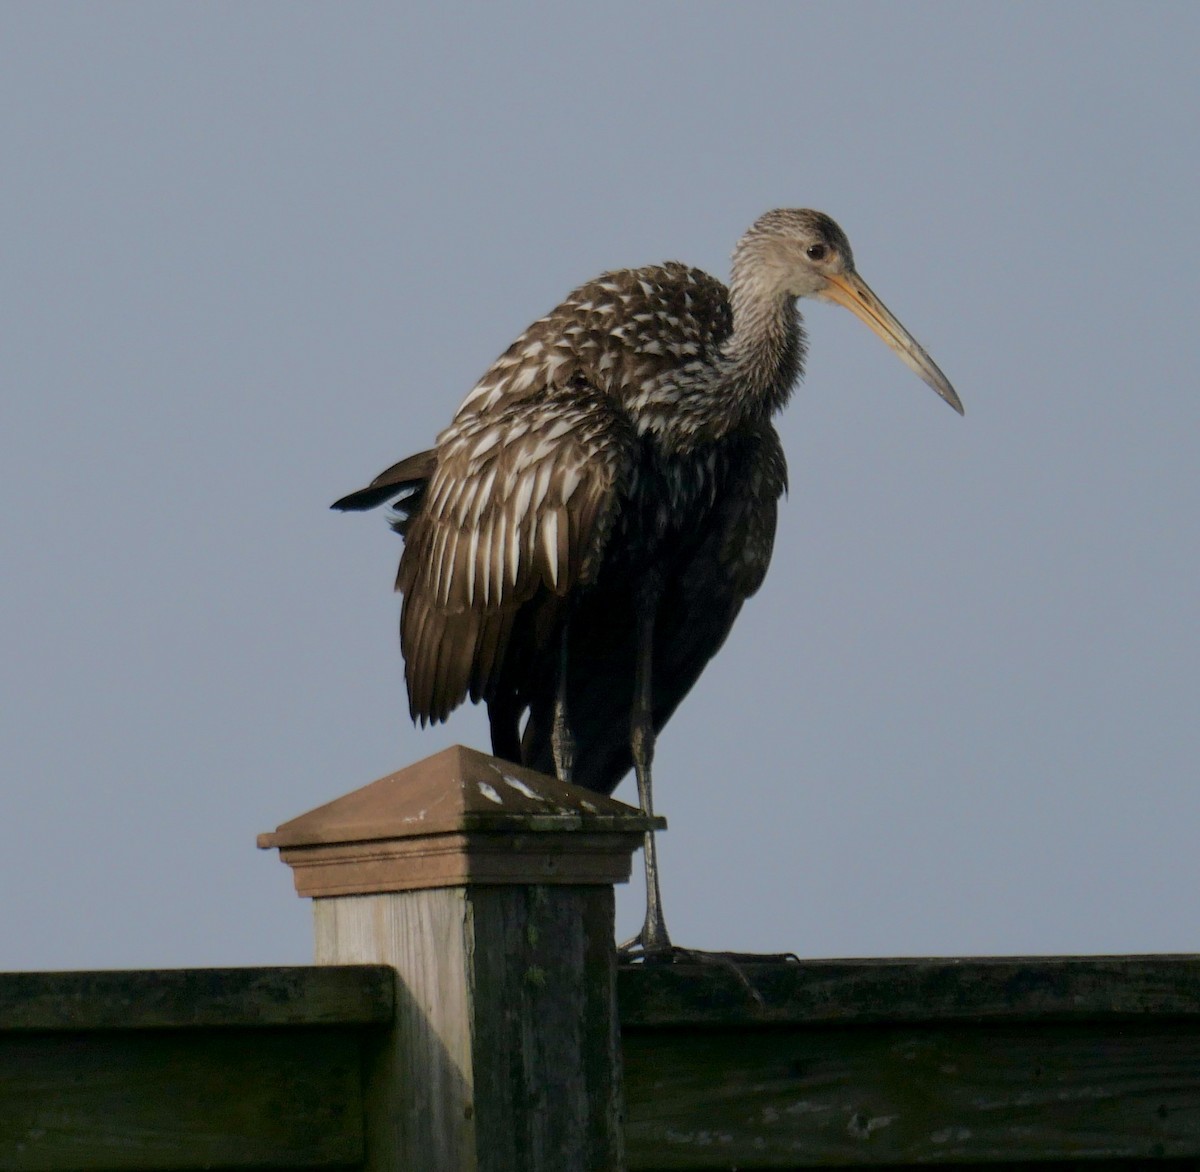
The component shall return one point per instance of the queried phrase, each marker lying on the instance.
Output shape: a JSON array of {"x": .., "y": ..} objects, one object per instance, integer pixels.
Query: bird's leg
[
  {"x": 654, "y": 938},
  {"x": 653, "y": 943},
  {"x": 562, "y": 740},
  {"x": 504, "y": 719}
]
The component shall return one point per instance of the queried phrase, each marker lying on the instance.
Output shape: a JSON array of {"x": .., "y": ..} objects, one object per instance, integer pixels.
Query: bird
[{"x": 580, "y": 539}]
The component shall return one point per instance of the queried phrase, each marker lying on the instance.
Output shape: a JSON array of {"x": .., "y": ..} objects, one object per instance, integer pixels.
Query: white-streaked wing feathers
[{"x": 519, "y": 499}]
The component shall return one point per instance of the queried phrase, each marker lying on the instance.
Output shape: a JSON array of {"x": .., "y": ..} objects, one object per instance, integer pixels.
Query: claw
[{"x": 634, "y": 952}]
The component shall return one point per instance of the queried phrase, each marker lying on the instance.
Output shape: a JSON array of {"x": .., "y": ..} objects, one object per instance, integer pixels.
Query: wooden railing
[
  {"x": 822, "y": 1064},
  {"x": 468, "y": 1014}
]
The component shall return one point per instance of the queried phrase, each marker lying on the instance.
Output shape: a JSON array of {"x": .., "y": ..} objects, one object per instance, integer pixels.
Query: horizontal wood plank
[
  {"x": 878, "y": 1063},
  {"x": 910, "y": 990},
  {"x": 190, "y": 998},
  {"x": 860, "y": 1096},
  {"x": 181, "y": 1099}
]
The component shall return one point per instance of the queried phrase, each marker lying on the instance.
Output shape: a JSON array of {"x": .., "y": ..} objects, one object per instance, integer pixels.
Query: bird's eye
[{"x": 816, "y": 251}]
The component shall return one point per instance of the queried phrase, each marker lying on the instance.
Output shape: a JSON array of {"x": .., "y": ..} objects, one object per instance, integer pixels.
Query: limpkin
[{"x": 580, "y": 539}]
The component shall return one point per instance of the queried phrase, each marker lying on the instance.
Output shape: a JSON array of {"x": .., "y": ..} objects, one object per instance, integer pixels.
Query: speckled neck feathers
[{"x": 765, "y": 353}]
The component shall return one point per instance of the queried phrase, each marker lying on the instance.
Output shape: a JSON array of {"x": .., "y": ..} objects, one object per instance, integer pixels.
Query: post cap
[{"x": 455, "y": 818}]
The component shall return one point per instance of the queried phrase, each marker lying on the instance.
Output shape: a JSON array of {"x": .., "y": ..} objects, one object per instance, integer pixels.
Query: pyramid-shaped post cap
[{"x": 459, "y": 817}]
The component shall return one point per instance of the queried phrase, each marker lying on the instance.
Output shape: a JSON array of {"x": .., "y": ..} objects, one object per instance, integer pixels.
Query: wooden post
[{"x": 489, "y": 889}]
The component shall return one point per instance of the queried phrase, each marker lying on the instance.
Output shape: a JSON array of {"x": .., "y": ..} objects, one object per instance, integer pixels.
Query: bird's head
[{"x": 797, "y": 252}]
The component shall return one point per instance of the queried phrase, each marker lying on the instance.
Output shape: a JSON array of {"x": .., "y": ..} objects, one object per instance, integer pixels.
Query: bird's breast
[{"x": 668, "y": 505}]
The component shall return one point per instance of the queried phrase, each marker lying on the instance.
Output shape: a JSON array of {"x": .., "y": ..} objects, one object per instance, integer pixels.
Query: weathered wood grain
[
  {"x": 936, "y": 989},
  {"x": 181, "y": 1099},
  {"x": 856, "y": 1096},
  {"x": 192, "y": 998},
  {"x": 504, "y": 1054},
  {"x": 900, "y": 1062},
  {"x": 419, "y": 1096},
  {"x": 546, "y": 962}
]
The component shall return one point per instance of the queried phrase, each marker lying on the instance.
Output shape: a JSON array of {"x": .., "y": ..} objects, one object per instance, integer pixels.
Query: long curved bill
[{"x": 850, "y": 290}]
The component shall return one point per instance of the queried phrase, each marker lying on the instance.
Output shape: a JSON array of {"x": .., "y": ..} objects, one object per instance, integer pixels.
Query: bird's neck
[
  {"x": 751, "y": 378},
  {"x": 763, "y": 356}
]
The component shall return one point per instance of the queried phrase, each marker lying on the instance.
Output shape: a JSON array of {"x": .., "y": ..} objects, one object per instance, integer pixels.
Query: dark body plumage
[{"x": 582, "y": 536}]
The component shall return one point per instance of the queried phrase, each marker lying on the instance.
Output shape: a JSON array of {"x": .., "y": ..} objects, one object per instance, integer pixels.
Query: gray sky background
[{"x": 251, "y": 254}]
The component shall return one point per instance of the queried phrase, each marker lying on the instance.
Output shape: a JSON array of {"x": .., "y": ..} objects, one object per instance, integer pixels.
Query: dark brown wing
[
  {"x": 703, "y": 597},
  {"x": 514, "y": 505},
  {"x": 520, "y": 503}
]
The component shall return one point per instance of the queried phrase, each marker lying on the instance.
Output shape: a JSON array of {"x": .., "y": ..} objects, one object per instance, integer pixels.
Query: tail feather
[{"x": 411, "y": 473}]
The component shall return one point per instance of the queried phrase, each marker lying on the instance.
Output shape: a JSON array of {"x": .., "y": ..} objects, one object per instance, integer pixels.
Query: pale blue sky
[{"x": 251, "y": 254}]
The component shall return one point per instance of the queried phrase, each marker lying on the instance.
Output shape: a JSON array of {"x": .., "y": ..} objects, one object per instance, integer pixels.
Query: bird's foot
[{"x": 634, "y": 951}]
